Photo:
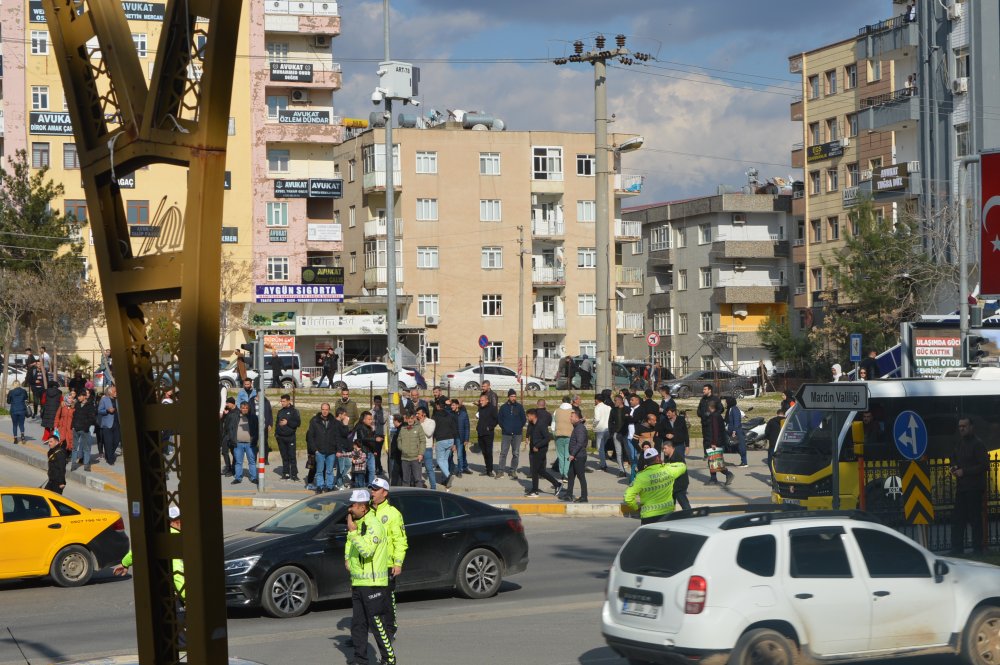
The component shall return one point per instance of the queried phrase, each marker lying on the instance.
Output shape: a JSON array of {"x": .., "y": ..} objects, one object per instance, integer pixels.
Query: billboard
[{"x": 936, "y": 350}]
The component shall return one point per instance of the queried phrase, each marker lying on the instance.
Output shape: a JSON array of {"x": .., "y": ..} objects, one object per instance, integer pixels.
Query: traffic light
[
  {"x": 974, "y": 351},
  {"x": 249, "y": 347}
]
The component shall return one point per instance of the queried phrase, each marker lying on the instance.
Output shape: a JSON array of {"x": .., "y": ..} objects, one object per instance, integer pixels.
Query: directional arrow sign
[
  {"x": 910, "y": 435},
  {"x": 917, "y": 505},
  {"x": 833, "y": 396}
]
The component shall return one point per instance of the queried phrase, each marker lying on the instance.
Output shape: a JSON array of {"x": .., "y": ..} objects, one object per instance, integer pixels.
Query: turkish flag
[{"x": 989, "y": 233}]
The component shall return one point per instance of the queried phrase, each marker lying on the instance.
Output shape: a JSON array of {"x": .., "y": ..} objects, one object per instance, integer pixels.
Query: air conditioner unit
[
  {"x": 300, "y": 95},
  {"x": 321, "y": 41},
  {"x": 739, "y": 266},
  {"x": 954, "y": 11},
  {"x": 960, "y": 86},
  {"x": 844, "y": 142},
  {"x": 431, "y": 320}
]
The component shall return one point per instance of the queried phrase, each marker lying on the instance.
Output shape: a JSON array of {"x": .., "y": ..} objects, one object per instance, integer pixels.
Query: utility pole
[
  {"x": 963, "y": 251},
  {"x": 392, "y": 325},
  {"x": 520, "y": 297},
  {"x": 605, "y": 247}
]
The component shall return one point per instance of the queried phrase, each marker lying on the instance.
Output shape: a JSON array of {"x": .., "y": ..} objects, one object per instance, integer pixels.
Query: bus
[{"x": 801, "y": 466}]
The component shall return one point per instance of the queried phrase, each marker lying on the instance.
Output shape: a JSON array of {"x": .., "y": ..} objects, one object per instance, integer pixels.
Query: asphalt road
[{"x": 548, "y": 614}]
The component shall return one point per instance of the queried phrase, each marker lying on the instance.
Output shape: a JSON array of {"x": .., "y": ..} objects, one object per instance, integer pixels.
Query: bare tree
[
  {"x": 17, "y": 289},
  {"x": 235, "y": 276}
]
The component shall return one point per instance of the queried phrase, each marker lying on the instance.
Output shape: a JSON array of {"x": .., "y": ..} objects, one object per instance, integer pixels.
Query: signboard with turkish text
[
  {"x": 49, "y": 123},
  {"x": 230, "y": 235},
  {"x": 989, "y": 234},
  {"x": 892, "y": 178},
  {"x": 144, "y": 11},
  {"x": 288, "y": 293},
  {"x": 278, "y": 235},
  {"x": 323, "y": 275},
  {"x": 303, "y": 117},
  {"x": 293, "y": 72},
  {"x": 126, "y": 181},
  {"x": 833, "y": 396},
  {"x": 291, "y": 189},
  {"x": 273, "y": 320},
  {"x": 143, "y": 231},
  {"x": 351, "y": 324},
  {"x": 279, "y": 343},
  {"x": 824, "y": 151},
  {"x": 325, "y": 233},
  {"x": 936, "y": 350},
  {"x": 326, "y": 188}
]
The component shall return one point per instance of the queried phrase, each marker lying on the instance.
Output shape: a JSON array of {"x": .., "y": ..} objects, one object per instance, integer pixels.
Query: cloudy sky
[{"x": 713, "y": 103}]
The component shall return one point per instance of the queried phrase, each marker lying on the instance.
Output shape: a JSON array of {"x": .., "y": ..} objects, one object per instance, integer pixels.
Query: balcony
[
  {"x": 796, "y": 109},
  {"x": 800, "y": 290},
  {"x": 659, "y": 300},
  {"x": 547, "y": 228},
  {"x": 628, "y": 277},
  {"x": 378, "y": 276},
  {"x": 757, "y": 293},
  {"x": 887, "y": 40},
  {"x": 799, "y": 203},
  {"x": 629, "y": 322},
  {"x": 548, "y": 276},
  {"x": 627, "y": 230},
  {"x": 798, "y": 156},
  {"x": 891, "y": 111},
  {"x": 376, "y": 228},
  {"x": 319, "y": 129},
  {"x": 743, "y": 249},
  {"x": 548, "y": 321},
  {"x": 307, "y": 17},
  {"x": 376, "y": 181},
  {"x": 628, "y": 185}
]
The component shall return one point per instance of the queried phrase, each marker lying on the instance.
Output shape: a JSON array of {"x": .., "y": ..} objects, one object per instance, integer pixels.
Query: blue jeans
[
  {"x": 463, "y": 460},
  {"x": 442, "y": 450},
  {"x": 326, "y": 466},
  {"x": 632, "y": 446},
  {"x": 602, "y": 454},
  {"x": 342, "y": 468},
  {"x": 429, "y": 467},
  {"x": 741, "y": 445},
  {"x": 241, "y": 450},
  {"x": 18, "y": 420},
  {"x": 370, "y": 476},
  {"x": 81, "y": 446}
]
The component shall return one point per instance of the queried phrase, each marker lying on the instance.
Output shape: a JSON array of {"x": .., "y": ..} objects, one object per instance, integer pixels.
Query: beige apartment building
[{"x": 479, "y": 213}]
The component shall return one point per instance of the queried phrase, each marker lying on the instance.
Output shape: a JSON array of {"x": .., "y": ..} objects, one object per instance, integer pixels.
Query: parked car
[
  {"x": 296, "y": 557},
  {"x": 501, "y": 379},
  {"x": 723, "y": 382},
  {"x": 15, "y": 374},
  {"x": 46, "y": 534},
  {"x": 362, "y": 376},
  {"x": 292, "y": 374},
  {"x": 619, "y": 376},
  {"x": 790, "y": 587}
]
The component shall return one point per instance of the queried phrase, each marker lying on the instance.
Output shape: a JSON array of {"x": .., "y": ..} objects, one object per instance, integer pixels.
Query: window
[
  {"x": 354, "y": 262},
  {"x": 801, "y": 274},
  {"x": 815, "y": 138},
  {"x": 833, "y": 228},
  {"x": 685, "y": 364},
  {"x": 589, "y": 347},
  {"x": 704, "y": 234},
  {"x": 427, "y": 257},
  {"x": 139, "y": 39},
  {"x": 547, "y": 164},
  {"x": 39, "y": 42},
  {"x": 586, "y": 211},
  {"x": 888, "y": 556},
  {"x": 586, "y": 165},
  {"x": 432, "y": 353},
  {"x": 39, "y": 97},
  {"x": 962, "y": 67},
  {"x": 492, "y": 258},
  {"x": 22, "y": 507},
  {"x": 586, "y": 304},
  {"x": 427, "y": 162},
  {"x": 855, "y": 227},
  {"x": 277, "y": 213},
  {"x": 705, "y": 278},
  {"x": 832, "y": 180},
  {"x": 137, "y": 212},
  {"x": 489, "y": 163},
  {"x": 492, "y": 304},
  {"x": 707, "y": 362},
  {"x": 962, "y": 140},
  {"x": 489, "y": 210},
  {"x": 682, "y": 280},
  {"x": 850, "y": 77},
  {"x": 427, "y": 304},
  {"x": 874, "y": 70},
  {"x": 276, "y": 103},
  {"x": 813, "y": 83},
  {"x": 586, "y": 257},
  {"x": 352, "y": 217},
  {"x": 758, "y": 555},
  {"x": 817, "y": 230},
  {"x": 853, "y": 174},
  {"x": 681, "y": 238},
  {"x": 705, "y": 322},
  {"x": 277, "y": 160},
  {"x": 637, "y": 247},
  {"x": 659, "y": 237},
  {"x": 71, "y": 160},
  {"x": 852, "y": 124},
  {"x": 427, "y": 210},
  {"x": 352, "y": 168},
  {"x": 663, "y": 324},
  {"x": 276, "y": 51},
  {"x": 831, "y": 82},
  {"x": 64, "y": 510},
  {"x": 875, "y": 163},
  {"x": 818, "y": 552},
  {"x": 493, "y": 353},
  {"x": 77, "y": 208},
  {"x": 817, "y": 279},
  {"x": 277, "y": 268},
  {"x": 832, "y": 130},
  {"x": 231, "y": 129},
  {"x": 814, "y": 186},
  {"x": 39, "y": 155},
  {"x": 682, "y": 324}
]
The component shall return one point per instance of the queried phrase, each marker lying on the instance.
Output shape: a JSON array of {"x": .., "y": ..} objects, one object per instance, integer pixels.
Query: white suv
[{"x": 791, "y": 587}]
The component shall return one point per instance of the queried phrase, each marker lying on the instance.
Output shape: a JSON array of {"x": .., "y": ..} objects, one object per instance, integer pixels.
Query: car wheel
[
  {"x": 981, "y": 639},
  {"x": 479, "y": 574},
  {"x": 763, "y": 646},
  {"x": 683, "y": 392},
  {"x": 534, "y": 387},
  {"x": 339, "y": 385},
  {"x": 287, "y": 593},
  {"x": 287, "y": 384},
  {"x": 402, "y": 386},
  {"x": 738, "y": 393},
  {"x": 472, "y": 385},
  {"x": 227, "y": 384},
  {"x": 72, "y": 566}
]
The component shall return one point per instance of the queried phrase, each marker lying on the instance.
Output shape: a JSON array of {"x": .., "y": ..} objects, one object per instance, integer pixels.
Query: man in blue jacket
[{"x": 512, "y": 420}]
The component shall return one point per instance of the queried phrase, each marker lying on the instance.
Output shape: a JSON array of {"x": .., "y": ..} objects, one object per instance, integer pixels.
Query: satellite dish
[
  {"x": 480, "y": 128},
  {"x": 499, "y": 125}
]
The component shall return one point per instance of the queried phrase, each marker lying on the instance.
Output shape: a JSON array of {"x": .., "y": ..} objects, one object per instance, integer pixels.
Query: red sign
[
  {"x": 279, "y": 343},
  {"x": 653, "y": 339},
  {"x": 989, "y": 234}
]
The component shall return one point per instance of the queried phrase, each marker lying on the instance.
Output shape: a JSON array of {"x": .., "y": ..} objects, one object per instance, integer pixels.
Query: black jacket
[
  {"x": 253, "y": 424},
  {"x": 703, "y": 406},
  {"x": 578, "y": 441},
  {"x": 291, "y": 414},
  {"x": 489, "y": 418},
  {"x": 53, "y": 397},
  {"x": 618, "y": 420},
  {"x": 682, "y": 481},
  {"x": 544, "y": 418},
  {"x": 679, "y": 429},
  {"x": 445, "y": 426},
  {"x": 366, "y": 435},
  {"x": 57, "y": 465},
  {"x": 974, "y": 461},
  {"x": 84, "y": 416},
  {"x": 320, "y": 437},
  {"x": 772, "y": 430},
  {"x": 227, "y": 427},
  {"x": 539, "y": 436}
]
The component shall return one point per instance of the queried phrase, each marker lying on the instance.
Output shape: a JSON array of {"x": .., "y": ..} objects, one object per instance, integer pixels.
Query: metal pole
[
  {"x": 963, "y": 252},
  {"x": 520, "y": 296},
  {"x": 392, "y": 325},
  {"x": 603, "y": 235},
  {"x": 836, "y": 460},
  {"x": 261, "y": 432}
]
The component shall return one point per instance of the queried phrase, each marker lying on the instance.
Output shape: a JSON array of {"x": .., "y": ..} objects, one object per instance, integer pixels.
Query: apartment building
[
  {"x": 473, "y": 207},
  {"x": 715, "y": 268}
]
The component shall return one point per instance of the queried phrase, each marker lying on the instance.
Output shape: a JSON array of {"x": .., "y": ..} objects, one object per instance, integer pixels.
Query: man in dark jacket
[
  {"x": 329, "y": 367},
  {"x": 771, "y": 431},
  {"x": 268, "y": 426},
  {"x": 490, "y": 395},
  {"x": 464, "y": 435},
  {"x": 247, "y": 430},
  {"x": 512, "y": 421},
  {"x": 289, "y": 421},
  {"x": 77, "y": 384},
  {"x": 320, "y": 441},
  {"x": 84, "y": 425},
  {"x": 378, "y": 426},
  {"x": 707, "y": 397},
  {"x": 715, "y": 437},
  {"x": 870, "y": 365},
  {"x": 539, "y": 437},
  {"x": 445, "y": 434},
  {"x": 577, "y": 457},
  {"x": 674, "y": 431},
  {"x": 486, "y": 423},
  {"x": 227, "y": 434},
  {"x": 57, "y": 464},
  {"x": 51, "y": 399},
  {"x": 970, "y": 465}
]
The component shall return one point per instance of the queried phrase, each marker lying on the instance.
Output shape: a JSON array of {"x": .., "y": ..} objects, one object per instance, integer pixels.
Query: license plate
[
  {"x": 640, "y": 609},
  {"x": 792, "y": 502}
]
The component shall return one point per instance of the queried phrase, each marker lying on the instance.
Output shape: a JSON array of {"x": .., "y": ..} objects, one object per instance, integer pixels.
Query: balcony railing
[
  {"x": 887, "y": 98},
  {"x": 548, "y": 275},
  {"x": 800, "y": 290},
  {"x": 376, "y": 228},
  {"x": 798, "y": 242},
  {"x": 628, "y": 229},
  {"x": 628, "y": 275},
  {"x": 548, "y": 322},
  {"x": 301, "y": 7},
  {"x": 547, "y": 228},
  {"x": 377, "y": 180},
  {"x": 629, "y": 184},
  {"x": 884, "y": 25},
  {"x": 630, "y": 321},
  {"x": 380, "y": 275},
  {"x": 659, "y": 245}
]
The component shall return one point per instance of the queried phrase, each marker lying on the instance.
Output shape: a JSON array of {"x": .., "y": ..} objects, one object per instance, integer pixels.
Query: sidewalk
[{"x": 605, "y": 489}]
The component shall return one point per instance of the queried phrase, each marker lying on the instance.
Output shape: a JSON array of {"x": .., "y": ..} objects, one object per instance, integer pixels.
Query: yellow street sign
[{"x": 917, "y": 505}]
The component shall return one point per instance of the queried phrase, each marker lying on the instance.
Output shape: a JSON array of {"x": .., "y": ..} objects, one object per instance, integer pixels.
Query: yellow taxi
[{"x": 44, "y": 533}]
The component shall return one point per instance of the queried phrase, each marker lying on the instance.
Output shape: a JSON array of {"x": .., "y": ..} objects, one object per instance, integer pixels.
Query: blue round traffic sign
[
  {"x": 910, "y": 434},
  {"x": 484, "y": 341}
]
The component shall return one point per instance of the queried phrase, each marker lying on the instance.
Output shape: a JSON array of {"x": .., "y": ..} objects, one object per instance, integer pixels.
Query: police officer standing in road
[
  {"x": 366, "y": 556},
  {"x": 395, "y": 532},
  {"x": 652, "y": 493}
]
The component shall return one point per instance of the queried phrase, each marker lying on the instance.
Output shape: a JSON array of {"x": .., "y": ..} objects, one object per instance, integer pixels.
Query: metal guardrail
[
  {"x": 884, "y": 25},
  {"x": 887, "y": 98}
]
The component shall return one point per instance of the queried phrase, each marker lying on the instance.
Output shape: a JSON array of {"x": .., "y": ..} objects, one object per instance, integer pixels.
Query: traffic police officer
[
  {"x": 652, "y": 493},
  {"x": 395, "y": 532},
  {"x": 366, "y": 556}
]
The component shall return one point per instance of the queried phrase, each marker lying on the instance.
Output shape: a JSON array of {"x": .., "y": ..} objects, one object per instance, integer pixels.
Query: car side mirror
[{"x": 940, "y": 570}]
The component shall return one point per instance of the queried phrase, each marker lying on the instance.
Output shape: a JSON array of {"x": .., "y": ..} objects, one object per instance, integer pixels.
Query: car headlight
[{"x": 240, "y": 566}]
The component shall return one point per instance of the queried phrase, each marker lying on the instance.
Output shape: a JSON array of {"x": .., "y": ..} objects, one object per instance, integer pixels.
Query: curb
[{"x": 31, "y": 460}]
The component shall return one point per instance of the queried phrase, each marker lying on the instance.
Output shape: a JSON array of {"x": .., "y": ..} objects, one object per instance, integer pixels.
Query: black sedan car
[{"x": 296, "y": 557}]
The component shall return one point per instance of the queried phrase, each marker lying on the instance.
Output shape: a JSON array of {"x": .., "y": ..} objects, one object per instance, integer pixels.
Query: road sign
[
  {"x": 833, "y": 396},
  {"x": 910, "y": 435},
  {"x": 484, "y": 341},
  {"x": 653, "y": 338},
  {"x": 917, "y": 505},
  {"x": 855, "y": 347}
]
